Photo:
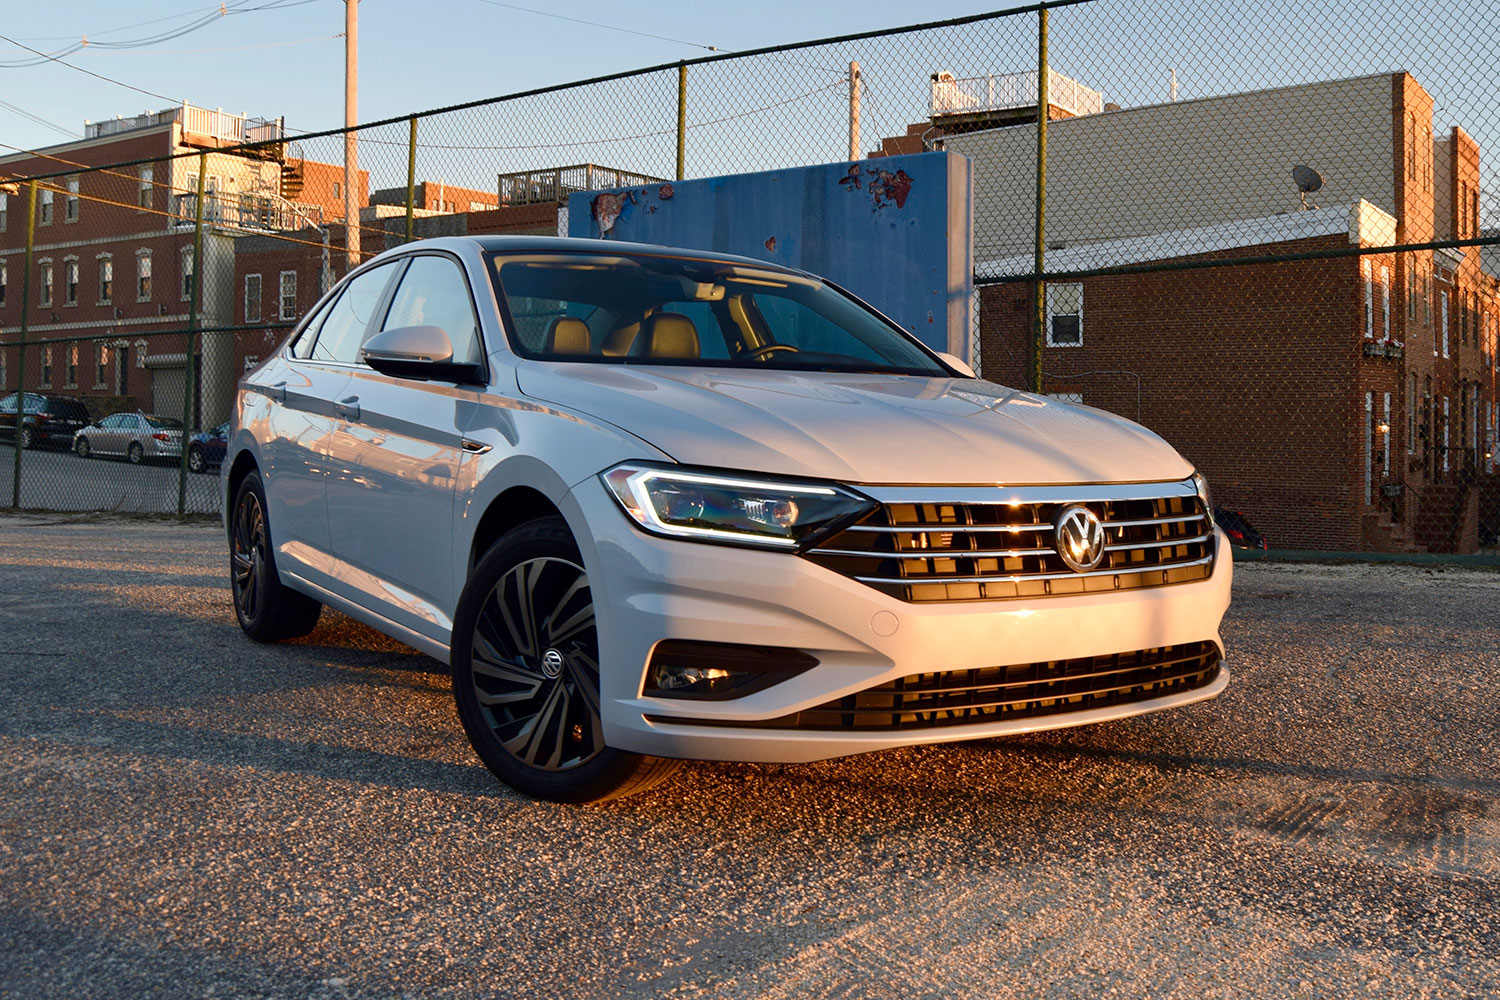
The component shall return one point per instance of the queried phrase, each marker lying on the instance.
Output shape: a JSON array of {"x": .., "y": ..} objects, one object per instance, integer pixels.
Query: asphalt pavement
[
  {"x": 184, "y": 813},
  {"x": 56, "y": 479}
]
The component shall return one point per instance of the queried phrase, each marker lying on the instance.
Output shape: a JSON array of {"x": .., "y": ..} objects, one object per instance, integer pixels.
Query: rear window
[{"x": 164, "y": 423}]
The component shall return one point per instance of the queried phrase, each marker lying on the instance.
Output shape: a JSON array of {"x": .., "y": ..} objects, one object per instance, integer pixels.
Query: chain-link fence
[{"x": 1266, "y": 230}]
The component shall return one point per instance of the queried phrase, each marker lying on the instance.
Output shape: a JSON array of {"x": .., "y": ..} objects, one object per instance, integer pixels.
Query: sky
[{"x": 272, "y": 58}]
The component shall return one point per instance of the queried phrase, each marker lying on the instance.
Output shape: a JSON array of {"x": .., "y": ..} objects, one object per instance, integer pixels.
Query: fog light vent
[{"x": 715, "y": 671}]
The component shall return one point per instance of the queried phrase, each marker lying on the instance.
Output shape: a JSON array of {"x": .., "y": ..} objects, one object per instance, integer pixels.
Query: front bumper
[{"x": 647, "y": 589}]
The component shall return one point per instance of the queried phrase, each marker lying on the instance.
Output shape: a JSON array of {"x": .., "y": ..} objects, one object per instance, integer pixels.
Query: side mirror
[
  {"x": 420, "y": 352},
  {"x": 952, "y": 361}
]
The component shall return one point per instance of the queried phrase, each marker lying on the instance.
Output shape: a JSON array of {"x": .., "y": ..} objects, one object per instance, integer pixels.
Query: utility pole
[
  {"x": 351, "y": 149},
  {"x": 854, "y": 84}
]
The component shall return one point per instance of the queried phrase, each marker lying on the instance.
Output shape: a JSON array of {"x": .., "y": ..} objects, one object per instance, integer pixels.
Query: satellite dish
[{"x": 1308, "y": 180}]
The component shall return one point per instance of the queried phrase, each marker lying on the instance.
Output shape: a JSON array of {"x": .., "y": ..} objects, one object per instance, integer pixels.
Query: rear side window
[
  {"x": 348, "y": 319},
  {"x": 433, "y": 292}
]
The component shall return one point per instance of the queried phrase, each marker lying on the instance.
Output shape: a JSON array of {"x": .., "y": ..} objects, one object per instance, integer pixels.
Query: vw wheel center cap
[{"x": 552, "y": 663}]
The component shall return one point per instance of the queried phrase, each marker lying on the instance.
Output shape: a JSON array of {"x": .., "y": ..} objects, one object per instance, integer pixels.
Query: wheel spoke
[{"x": 542, "y": 730}]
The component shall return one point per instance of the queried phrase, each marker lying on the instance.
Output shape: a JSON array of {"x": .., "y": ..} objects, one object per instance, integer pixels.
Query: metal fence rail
[{"x": 1269, "y": 232}]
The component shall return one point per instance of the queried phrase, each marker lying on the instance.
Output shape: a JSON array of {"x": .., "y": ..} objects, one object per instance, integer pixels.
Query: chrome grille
[
  {"x": 999, "y": 694},
  {"x": 999, "y": 543}
]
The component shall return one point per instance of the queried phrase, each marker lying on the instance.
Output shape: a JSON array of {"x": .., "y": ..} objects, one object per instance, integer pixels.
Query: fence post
[
  {"x": 15, "y": 482},
  {"x": 411, "y": 177},
  {"x": 681, "y": 120},
  {"x": 1039, "y": 316},
  {"x": 190, "y": 379}
]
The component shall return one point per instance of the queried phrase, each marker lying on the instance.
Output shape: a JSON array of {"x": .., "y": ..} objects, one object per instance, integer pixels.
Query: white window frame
[
  {"x": 106, "y": 278},
  {"x": 45, "y": 293},
  {"x": 70, "y": 367},
  {"x": 1066, "y": 284},
  {"x": 70, "y": 200},
  {"x": 143, "y": 283},
  {"x": 1369, "y": 445},
  {"x": 1364, "y": 266},
  {"x": 282, "y": 312},
  {"x": 101, "y": 365},
  {"x": 1385, "y": 464},
  {"x": 4, "y": 282},
  {"x": 70, "y": 281},
  {"x": 1443, "y": 311},
  {"x": 1385, "y": 302},
  {"x": 44, "y": 212},
  {"x": 186, "y": 266},
  {"x": 145, "y": 193},
  {"x": 256, "y": 298},
  {"x": 4, "y": 211}
]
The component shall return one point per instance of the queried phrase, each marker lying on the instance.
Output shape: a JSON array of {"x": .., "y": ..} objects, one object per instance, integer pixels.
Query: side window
[
  {"x": 711, "y": 342},
  {"x": 792, "y": 322},
  {"x": 348, "y": 319},
  {"x": 117, "y": 420},
  {"x": 433, "y": 292}
]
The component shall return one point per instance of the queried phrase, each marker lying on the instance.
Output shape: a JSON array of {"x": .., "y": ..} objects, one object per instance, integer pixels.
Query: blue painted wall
[{"x": 894, "y": 230}]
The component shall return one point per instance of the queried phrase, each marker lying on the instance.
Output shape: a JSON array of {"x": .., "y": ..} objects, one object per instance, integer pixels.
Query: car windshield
[{"x": 644, "y": 309}]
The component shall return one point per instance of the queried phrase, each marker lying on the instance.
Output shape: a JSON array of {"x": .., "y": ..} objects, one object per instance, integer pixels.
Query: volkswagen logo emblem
[
  {"x": 552, "y": 663},
  {"x": 1080, "y": 538}
]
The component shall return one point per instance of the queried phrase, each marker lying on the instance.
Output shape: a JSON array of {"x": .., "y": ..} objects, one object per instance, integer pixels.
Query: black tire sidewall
[
  {"x": 195, "y": 459},
  {"x": 252, "y": 626},
  {"x": 135, "y": 453},
  {"x": 81, "y": 447},
  {"x": 593, "y": 780}
]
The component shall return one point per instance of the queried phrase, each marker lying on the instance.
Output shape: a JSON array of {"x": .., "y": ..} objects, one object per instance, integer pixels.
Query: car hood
[{"x": 858, "y": 428}]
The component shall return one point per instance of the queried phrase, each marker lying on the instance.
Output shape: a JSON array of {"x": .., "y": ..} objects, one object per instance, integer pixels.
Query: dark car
[
  {"x": 1238, "y": 529},
  {"x": 206, "y": 448},
  {"x": 46, "y": 420}
]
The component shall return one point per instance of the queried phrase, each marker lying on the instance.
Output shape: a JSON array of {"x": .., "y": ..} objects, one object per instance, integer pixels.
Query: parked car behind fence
[
  {"x": 46, "y": 420},
  {"x": 136, "y": 436}
]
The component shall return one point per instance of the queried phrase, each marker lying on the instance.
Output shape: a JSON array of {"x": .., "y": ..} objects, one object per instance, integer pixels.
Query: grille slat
[
  {"x": 931, "y": 549},
  {"x": 990, "y": 694}
]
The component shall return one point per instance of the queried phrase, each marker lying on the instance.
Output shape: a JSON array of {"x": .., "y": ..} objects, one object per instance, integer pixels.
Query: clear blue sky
[{"x": 284, "y": 59}]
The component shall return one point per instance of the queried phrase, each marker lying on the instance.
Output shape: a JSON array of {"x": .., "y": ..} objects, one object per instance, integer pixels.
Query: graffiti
[
  {"x": 608, "y": 207},
  {"x": 889, "y": 187}
]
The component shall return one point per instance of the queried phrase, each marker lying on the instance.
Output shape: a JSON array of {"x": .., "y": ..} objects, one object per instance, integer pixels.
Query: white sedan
[
  {"x": 653, "y": 504},
  {"x": 136, "y": 436}
]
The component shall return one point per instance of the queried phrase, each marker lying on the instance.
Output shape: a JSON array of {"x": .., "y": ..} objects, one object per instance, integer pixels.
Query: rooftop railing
[
  {"x": 1006, "y": 91},
  {"x": 554, "y": 184}
]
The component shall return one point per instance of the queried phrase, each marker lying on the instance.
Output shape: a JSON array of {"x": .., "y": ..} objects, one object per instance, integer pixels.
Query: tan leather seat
[
  {"x": 567, "y": 335},
  {"x": 617, "y": 342},
  {"x": 669, "y": 335}
]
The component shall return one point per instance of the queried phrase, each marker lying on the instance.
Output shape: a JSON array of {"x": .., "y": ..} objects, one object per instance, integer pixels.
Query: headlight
[
  {"x": 1201, "y": 485},
  {"x": 717, "y": 508}
]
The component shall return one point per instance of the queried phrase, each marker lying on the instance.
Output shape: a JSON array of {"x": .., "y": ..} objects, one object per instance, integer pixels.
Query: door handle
[{"x": 348, "y": 408}]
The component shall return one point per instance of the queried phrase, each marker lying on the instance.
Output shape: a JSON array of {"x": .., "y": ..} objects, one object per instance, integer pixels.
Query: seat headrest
[
  {"x": 617, "y": 342},
  {"x": 567, "y": 335},
  {"x": 669, "y": 335}
]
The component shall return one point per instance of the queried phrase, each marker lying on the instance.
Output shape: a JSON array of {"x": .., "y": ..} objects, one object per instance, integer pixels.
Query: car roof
[{"x": 564, "y": 244}]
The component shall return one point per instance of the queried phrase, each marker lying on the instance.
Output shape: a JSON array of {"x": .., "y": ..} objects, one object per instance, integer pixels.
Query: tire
[
  {"x": 28, "y": 438},
  {"x": 534, "y": 718},
  {"x": 135, "y": 453},
  {"x": 195, "y": 459},
  {"x": 267, "y": 610},
  {"x": 81, "y": 447}
]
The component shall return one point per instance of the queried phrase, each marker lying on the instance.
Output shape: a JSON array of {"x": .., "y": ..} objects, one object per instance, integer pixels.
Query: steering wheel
[{"x": 765, "y": 351}]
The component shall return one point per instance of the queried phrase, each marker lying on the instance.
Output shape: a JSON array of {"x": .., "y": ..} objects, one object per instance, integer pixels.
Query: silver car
[
  {"x": 136, "y": 436},
  {"x": 653, "y": 504}
]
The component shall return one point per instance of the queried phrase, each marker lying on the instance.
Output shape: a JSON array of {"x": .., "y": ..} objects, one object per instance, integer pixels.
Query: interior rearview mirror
[{"x": 952, "y": 361}]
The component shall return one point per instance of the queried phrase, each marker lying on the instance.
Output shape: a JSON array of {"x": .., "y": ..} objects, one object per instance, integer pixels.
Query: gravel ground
[{"x": 186, "y": 814}]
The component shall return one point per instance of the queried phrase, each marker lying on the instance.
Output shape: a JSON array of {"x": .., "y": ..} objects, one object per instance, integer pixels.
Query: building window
[
  {"x": 101, "y": 365},
  {"x": 1445, "y": 433},
  {"x": 143, "y": 276},
  {"x": 46, "y": 299},
  {"x": 288, "y": 296},
  {"x": 252, "y": 298},
  {"x": 4, "y": 210},
  {"x": 1411, "y": 291},
  {"x": 1474, "y": 211},
  {"x": 45, "y": 218},
  {"x": 47, "y": 367},
  {"x": 145, "y": 194},
  {"x": 338, "y": 190},
  {"x": 1065, "y": 315},
  {"x": 106, "y": 279},
  {"x": 70, "y": 202},
  {"x": 72, "y": 366},
  {"x": 1385, "y": 444},
  {"x": 4, "y": 375},
  {"x": 4, "y": 280},
  {"x": 1385, "y": 303},
  {"x": 1443, "y": 320},
  {"x": 187, "y": 274},
  {"x": 1364, "y": 266},
  {"x": 70, "y": 281},
  {"x": 1411, "y": 414}
]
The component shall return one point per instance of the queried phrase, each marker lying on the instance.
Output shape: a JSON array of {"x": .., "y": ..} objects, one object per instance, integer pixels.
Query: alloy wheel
[
  {"x": 535, "y": 665},
  {"x": 248, "y": 555}
]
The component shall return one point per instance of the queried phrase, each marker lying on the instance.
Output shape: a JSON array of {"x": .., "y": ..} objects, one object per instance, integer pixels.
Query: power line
[
  {"x": 38, "y": 119},
  {"x": 98, "y": 76},
  {"x": 607, "y": 27}
]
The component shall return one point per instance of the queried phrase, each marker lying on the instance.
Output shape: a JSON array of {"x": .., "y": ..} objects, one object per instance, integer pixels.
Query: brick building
[
  {"x": 1342, "y": 404},
  {"x": 438, "y": 197},
  {"x": 113, "y": 253}
]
